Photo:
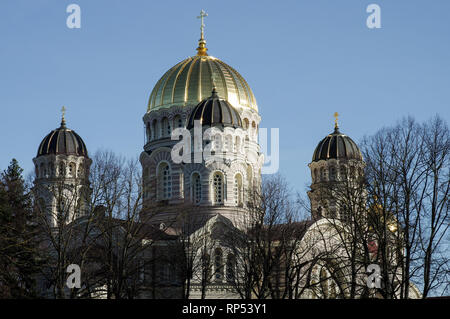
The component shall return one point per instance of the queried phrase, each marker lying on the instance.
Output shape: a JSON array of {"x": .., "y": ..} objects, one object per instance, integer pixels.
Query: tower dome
[
  {"x": 215, "y": 111},
  {"x": 191, "y": 81},
  {"x": 336, "y": 146},
  {"x": 62, "y": 141}
]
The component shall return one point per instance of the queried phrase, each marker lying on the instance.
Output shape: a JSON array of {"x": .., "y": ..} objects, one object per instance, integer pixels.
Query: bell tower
[
  {"x": 61, "y": 185},
  {"x": 337, "y": 165}
]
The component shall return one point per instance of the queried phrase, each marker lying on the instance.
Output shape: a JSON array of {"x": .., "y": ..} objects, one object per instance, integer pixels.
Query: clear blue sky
[{"x": 303, "y": 59}]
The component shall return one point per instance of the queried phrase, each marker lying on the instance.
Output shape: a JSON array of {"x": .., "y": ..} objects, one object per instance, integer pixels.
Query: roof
[
  {"x": 336, "y": 146},
  {"x": 62, "y": 141},
  {"x": 191, "y": 81},
  {"x": 214, "y": 111}
]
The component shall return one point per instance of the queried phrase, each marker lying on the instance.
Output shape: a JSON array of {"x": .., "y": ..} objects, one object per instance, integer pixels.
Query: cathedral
[{"x": 200, "y": 97}]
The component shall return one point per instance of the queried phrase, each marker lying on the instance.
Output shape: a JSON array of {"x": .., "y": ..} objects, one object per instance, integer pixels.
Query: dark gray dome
[
  {"x": 62, "y": 141},
  {"x": 337, "y": 146},
  {"x": 215, "y": 111}
]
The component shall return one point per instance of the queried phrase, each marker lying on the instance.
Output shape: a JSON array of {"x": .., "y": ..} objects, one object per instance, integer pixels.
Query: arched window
[
  {"x": 165, "y": 128},
  {"x": 196, "y": 188},
  {"x": 72, "y": 170},
  {"x": 231, "y": 268},
  {"x": 62, "y": 170},
  {"x": 342, "y": 172},
  {"x": 319, "y": 212},
  {"x": 345, "y": 213},
  {"x": 237, "y": 145},
  {"x": 237, "y": 190},
  {"x": 218, "y": 186},
  {"x": 148, "y": 132},
  {"x": 324, "y": 282},
  {"x": 328, "y": 289},
  {"x": 164, "y": 181},
  {"x": 217, "y": 144},
  {"x": 154, "y": 129},
  {"x": 332, "y": 173},
  {"x": 177, "y": 121},
  {"x": 228, "y": 144},
  {"x": 218, "y": 265},
  {"x": 246, "y": 123},
  {"x": 322, "y": 174},
  {"x": 79, "y": 171},
  {"x": 250, "y": 177},
  {"x": 254, "y": 131}
]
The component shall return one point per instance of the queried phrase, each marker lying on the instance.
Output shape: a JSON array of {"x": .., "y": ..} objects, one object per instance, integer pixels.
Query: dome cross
[
  {"x": 336, "y": 116},
  {"x": 63, "y": 118},
  {"x": 201, "y": 50},
  {"x": 202, "y": 15}
]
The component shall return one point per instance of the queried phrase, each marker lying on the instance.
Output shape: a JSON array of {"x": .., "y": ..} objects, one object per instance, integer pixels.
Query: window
[
  {"x": 154, "y": 130},
  {"x": 254, "y": 131},
  {"x": 324, "y": 282},
  {"x": 217, "y": 144},
  {"x": 196, "y": 188},
  {"x": 177, "y": 121},
  {"x": 148, "y": 132},
  {"x": 228, "y": 144},
  {"x": 343, "y": 172},
  {"x": 218, "y": 267},
  {"x": 345, "y": 213},
  {"x": 218, "y": 188},
  {"x": 237, "y": 145},
  {"x": 165, "y": 128},
  {"x": 72, "y": 169},
  {"x": 319, "y": 212},
  {"x": 332, "y": 173},
  {"x": 62, "y": 170},
  {"x": 250, "y": 177},
  {"x": 237, "y": 189},
  {"x": 164, "y": 181},
  {"x": 246, "y": 123},
  {"x": 231, "y": 266}
]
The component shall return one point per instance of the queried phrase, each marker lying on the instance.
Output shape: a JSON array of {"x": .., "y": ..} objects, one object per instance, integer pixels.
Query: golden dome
[{"x": 191, "y": 81}]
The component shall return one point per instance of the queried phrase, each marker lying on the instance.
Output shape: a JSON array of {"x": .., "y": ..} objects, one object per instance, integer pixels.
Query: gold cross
[
  {"x": 336, "y": 115},
  {"x": 63, "y": 120},
  {"x": 201, "y": 16}
]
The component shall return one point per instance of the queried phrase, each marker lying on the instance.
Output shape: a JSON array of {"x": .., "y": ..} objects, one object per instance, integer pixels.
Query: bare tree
[
  {"x": 408, "y": 179},
  {"x": 266, "y": 248}
]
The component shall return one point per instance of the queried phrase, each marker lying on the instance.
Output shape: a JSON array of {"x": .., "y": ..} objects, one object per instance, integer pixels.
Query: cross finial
[
  {"x": 202, "y": 15},
  {"x": 336, "y": 116},
  {"x": 201, "y": 50},
  {"x": 63, "y": 119}
]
